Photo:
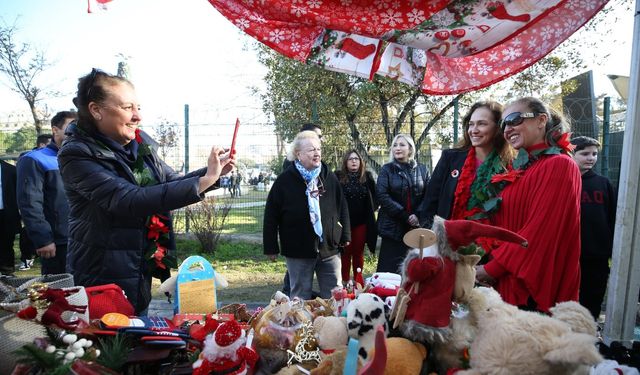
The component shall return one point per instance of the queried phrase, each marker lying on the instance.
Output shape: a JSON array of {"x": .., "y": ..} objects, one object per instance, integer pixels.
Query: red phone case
[{"x": 232, "y": 150}]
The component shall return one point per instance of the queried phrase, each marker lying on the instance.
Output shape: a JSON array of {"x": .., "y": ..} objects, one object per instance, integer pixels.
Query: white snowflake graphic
[
  {"x": 257, "y": 18},
  {"x": 323, "y": 19},
  {"x": 242, "y": 23},
  {"x": 345, "y": 3},
  {"x": 493, "y": 56},
  {"x": 299, "y": 11},
  {"x": 416, "y": 16},
  {"x": 381, "y": 4},
  {"x": 391, "y": 17},
  {"x": 314, "y": 4},
  {"x": 511, "y": 54},
  {"x": 439, "y": 79},
  {"x": 484, "y": 69},
  {"x": 295, "y": 47},
  {"x": 589, "y": 4},
  {"x": 546, "y": 32},
  {"x": 277, "y": 36}
]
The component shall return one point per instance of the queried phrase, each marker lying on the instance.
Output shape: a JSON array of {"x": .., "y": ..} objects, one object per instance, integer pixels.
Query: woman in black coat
[
  {"x": 401, "y": 189},
  {"x": 359, "y": 189},
  {"x": 462, "y": 173},
  {"x": 120, "y": 193},
  {"x": 307, "y": 211}
]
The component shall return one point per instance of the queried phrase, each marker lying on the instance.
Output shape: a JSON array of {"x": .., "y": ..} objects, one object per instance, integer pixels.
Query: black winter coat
[
  {"x": 370, "y": 209},
  {"x": 442, "y": 185},
  {"x": 286, "y": 215},
  {"x": 398, "y": 184},
  {"x": 11, "y": 214},
  {"x": 108, "y": 213}
]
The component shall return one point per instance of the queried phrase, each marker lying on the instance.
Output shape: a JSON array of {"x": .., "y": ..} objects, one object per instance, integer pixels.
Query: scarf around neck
[{"x": 310, "y": 178}]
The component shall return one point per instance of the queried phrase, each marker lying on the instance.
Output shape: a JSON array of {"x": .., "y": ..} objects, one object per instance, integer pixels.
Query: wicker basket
[{"x": 16, "y": 332}]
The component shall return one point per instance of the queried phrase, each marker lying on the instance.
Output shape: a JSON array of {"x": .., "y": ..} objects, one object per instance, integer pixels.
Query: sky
[
  {"x": 185, "y": 52},
  {"x": 181, "y": 52}
]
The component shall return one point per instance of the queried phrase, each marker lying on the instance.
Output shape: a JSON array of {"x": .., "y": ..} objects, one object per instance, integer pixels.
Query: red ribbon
[
  {"x": 138, "y": 137},
  {"x": 565, "y": 144},
  {"x": 509, "y": 176}
]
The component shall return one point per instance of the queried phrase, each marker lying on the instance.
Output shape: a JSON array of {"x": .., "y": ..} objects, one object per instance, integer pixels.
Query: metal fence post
[
  {"x": 186, "y": 157},
  {"x": 606, "y": 121}
]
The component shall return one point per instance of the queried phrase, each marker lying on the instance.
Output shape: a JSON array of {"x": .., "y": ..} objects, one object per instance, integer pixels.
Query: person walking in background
[
  {"x": 401, "y": 189},
  {"x": 42, "y": 201},
  {"x": 359, "y": 190},
  {"x": 460, "y": 183},
  {"x": 541, "y": 202},
  {"x": 238, "y": 189},
  {"x": 9, "y": 217},
  {"x": 27, "y": 251},
  {"x": 308, "y": 213},
  {"x": 232, "y": 184},
  {"x": 597, "y": 223},
  {"x": 121, "y": 193}
]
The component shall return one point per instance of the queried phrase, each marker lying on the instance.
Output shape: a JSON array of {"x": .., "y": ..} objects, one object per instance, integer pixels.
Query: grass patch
[{"x": 244, "y": 220}]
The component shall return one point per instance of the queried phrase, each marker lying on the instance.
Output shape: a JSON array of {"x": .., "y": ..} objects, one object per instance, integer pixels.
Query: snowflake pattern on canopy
[{"x": 443, "y": 47}]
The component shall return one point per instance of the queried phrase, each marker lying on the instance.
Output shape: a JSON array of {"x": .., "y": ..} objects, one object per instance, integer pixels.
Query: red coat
[
  {"x": 431, "y": 305},
  {"x": 543, "y": 206}
]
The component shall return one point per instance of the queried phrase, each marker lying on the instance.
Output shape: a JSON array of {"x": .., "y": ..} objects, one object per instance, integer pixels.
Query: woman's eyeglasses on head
[{"x": 516, "y": 118}]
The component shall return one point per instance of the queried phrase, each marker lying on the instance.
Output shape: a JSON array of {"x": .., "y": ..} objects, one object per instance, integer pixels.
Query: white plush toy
[
  {"x": 513, "y": 341},
  {"x": 364, "y": 315}
]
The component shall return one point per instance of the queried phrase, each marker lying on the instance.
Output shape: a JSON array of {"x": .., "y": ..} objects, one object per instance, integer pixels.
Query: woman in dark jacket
[
  {"x": 359, "y": 189},
  {"x": 401, "y": 188},
  {"x": 120, "y": 193},
  {"x": 464, "y": 171},
  {"x": 307, "y": 210}
]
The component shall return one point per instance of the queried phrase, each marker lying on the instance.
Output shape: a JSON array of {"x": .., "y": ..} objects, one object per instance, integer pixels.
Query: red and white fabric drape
[{"x": 443, "y": 47}]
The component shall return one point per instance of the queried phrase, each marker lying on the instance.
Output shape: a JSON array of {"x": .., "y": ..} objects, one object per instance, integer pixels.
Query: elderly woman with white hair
[
  {"x": 401, "y": 189},
  {"x": 308, "y": 212}
]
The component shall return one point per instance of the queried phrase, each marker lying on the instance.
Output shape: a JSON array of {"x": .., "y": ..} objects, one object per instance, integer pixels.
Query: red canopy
[{"x": 445, "y": 47}]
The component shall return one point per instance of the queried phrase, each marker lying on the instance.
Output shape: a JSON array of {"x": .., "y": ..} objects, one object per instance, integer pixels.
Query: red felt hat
[
  {"x": 228, "y": 333},
  {"x": 464, "y": 232}
]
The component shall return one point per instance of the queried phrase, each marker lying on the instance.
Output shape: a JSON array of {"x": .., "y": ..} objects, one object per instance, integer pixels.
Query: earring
[{"x": 98, "y": 118}]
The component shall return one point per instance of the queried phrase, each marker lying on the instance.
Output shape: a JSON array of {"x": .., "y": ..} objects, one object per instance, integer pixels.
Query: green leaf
[
  {"x": 492, "y": 204},
  {"x": 521, "y": 160},
  {"x": 551, "y": 151}
]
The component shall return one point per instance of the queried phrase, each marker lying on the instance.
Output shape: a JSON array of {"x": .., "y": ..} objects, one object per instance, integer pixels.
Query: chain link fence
[{"x": 260, "y": 153}]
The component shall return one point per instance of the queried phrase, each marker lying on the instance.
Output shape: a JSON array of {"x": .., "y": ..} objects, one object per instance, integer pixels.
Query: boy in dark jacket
[{"x": 597, "y": 219}]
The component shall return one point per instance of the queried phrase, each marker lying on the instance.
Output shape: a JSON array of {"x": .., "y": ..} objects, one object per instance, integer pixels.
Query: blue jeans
[{"x": 301, "y": 272}]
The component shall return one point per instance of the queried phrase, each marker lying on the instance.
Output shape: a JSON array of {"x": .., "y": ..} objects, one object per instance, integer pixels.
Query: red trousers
[{"x": 354, "y": 253}]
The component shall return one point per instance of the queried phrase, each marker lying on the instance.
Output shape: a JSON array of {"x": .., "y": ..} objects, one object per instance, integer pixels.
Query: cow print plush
[{"x": 364, "y": 314}]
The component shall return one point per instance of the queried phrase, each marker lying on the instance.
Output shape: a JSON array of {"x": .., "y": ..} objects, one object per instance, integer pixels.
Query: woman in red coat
[{"x": 540, "y": 201}]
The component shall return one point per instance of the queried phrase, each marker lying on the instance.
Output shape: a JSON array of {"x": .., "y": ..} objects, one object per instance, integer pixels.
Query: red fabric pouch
[{"x": 107, "y": 298}]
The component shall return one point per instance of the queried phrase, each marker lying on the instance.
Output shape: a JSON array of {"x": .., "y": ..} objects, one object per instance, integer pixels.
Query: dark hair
[
  {"x": 344, "y": 178},
  {"x": 43, "y": 139},
  {"x": 60, "y": 117},
  {"x": 499, "y": 143},
  {"x": 92, "y": 88},
  {"x": 556, "y": 124},
  {"x": 310, "y": 126},
  {"x": 583, "y": 142}
]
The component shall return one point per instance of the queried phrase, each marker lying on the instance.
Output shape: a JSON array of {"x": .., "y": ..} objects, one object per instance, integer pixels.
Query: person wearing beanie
[
  {"x": 429, "y": 275},
  {"x": 539, "y": 200},
  {"x": 597, "y": 222}
]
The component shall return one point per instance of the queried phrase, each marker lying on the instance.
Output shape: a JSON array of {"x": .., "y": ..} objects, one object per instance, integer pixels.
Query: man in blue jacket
[{"x": 42, "y": 201}]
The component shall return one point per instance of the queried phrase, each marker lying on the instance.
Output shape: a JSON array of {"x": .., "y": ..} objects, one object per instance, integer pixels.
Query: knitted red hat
[
  {"x": 228, "y": 333},
  {"x": 464, "y": 232}
]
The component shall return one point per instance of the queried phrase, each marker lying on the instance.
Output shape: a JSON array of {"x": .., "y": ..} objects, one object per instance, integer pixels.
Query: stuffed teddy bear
[
  {"x": 513, "y": 341},
  {"x": 364, "y": 314},
  {"x": 429, "y": 276},
  {"x": 331, "y": 332}
]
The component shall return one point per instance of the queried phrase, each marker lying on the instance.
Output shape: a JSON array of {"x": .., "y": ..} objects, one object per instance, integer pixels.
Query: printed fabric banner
[{"x": 443, "y": 47}]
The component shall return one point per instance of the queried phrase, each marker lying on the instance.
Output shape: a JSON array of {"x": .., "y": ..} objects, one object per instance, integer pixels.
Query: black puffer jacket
[
  {"x": 398, "y": 184},
  {"x": 108, "y": 213},
  {"x": 287, "y": 214}
]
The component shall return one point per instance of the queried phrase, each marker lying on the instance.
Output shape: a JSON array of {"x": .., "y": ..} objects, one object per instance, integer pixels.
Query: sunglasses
[
  {"x": 92, "y": 82},
  {"x": 516, "y": 118}
]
